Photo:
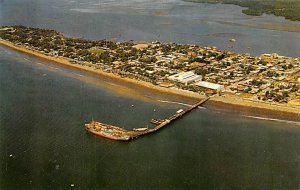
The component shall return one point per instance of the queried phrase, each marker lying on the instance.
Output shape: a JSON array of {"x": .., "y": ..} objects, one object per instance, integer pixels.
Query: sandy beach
[{"x": 231, "y": 102}]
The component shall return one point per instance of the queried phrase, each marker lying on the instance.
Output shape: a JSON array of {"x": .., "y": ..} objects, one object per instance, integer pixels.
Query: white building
[
  {"x": 186, "y": 77},
  {"x": 210, "y": 85}
]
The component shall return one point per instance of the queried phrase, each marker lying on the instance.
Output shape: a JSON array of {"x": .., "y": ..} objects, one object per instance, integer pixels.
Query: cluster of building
[
  {"x": 268, "y": 77},
  {"x": 190, "y": 78}
]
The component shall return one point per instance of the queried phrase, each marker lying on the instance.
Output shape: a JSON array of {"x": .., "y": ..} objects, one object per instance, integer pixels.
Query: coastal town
[{"x": 268, "y": 78}]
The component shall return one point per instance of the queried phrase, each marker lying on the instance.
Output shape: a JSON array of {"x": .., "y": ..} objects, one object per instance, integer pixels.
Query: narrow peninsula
[{"x": 268, "y": 81}]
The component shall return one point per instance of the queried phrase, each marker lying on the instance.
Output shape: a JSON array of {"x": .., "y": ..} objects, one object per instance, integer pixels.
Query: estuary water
[
  {"x": 158, "y": 20},
  {"x": 43, "y": 106},
  {"x": 43, "y": 144}
]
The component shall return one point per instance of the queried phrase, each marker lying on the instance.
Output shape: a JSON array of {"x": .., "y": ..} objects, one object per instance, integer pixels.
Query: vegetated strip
[
  {"x": 268, "y": 81},
  {"x": 290, "y": 9}
]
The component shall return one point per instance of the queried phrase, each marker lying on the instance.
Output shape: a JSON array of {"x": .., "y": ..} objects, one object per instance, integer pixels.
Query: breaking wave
[
  {"x": 272, "y": 119},
  {"x": 170, "y": 102}
]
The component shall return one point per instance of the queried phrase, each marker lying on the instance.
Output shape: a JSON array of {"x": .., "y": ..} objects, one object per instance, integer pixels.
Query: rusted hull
[{"x": 106, "y": 136}]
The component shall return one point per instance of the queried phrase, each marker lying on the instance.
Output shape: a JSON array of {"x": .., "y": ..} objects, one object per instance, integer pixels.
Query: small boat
[
  {"x": 140, "y": 129},
  {"x": 157, "y": 121},
  {"x": 179, "y": 111}
]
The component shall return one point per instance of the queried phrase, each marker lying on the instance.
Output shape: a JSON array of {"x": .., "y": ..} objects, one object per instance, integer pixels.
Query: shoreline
[
  {"x": 224, "y": 102},
  {"x": 257, "y": 10}
]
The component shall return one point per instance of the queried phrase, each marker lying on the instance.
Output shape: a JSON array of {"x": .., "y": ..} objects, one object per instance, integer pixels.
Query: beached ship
[
  {"x": 107, "y": 131},
  {"x": 117, "y": 133}
]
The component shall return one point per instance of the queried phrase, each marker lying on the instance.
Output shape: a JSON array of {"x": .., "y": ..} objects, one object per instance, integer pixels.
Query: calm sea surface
[
  {"x": 43, "y": 144},
  {"x": 43, "y": 107},
  {"x": 162, "y": 20}
]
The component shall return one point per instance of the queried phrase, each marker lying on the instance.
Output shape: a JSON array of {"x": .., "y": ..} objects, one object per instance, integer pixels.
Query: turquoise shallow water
[{"x": 43, "y": 144}]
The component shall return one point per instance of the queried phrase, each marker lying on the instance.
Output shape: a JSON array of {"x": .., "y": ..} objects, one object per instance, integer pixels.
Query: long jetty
[{"x": 177, "y": 115}]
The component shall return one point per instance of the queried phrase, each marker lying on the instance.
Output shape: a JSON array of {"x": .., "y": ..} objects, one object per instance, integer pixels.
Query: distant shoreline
[
  {"x": 229, "y": 102},
  {"x": 289, "y": 9}
]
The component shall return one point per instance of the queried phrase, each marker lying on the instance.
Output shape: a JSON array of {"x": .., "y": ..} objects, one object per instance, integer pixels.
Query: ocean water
[
  {"x": 43, "y": 144},
  {"x": 43, "y": 106},
  {"x": 158, "y": 20}
]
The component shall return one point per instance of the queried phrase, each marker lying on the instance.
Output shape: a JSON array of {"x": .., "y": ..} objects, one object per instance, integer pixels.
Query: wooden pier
[
  {"x": 177, "y": 115},
  {"x": 116, "y": 133}
]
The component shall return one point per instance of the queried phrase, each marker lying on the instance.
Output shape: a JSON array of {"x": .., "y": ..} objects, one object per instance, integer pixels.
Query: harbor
[{"x": 117, "y": 133}]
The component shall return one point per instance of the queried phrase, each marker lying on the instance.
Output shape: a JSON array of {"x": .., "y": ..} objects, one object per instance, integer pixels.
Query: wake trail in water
[
  {"x": 179, "y": 103},
  {"x": 79, "y": 75},
  {"x": 170, "y": 102},
  {"x": 272, "y": 119}
]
